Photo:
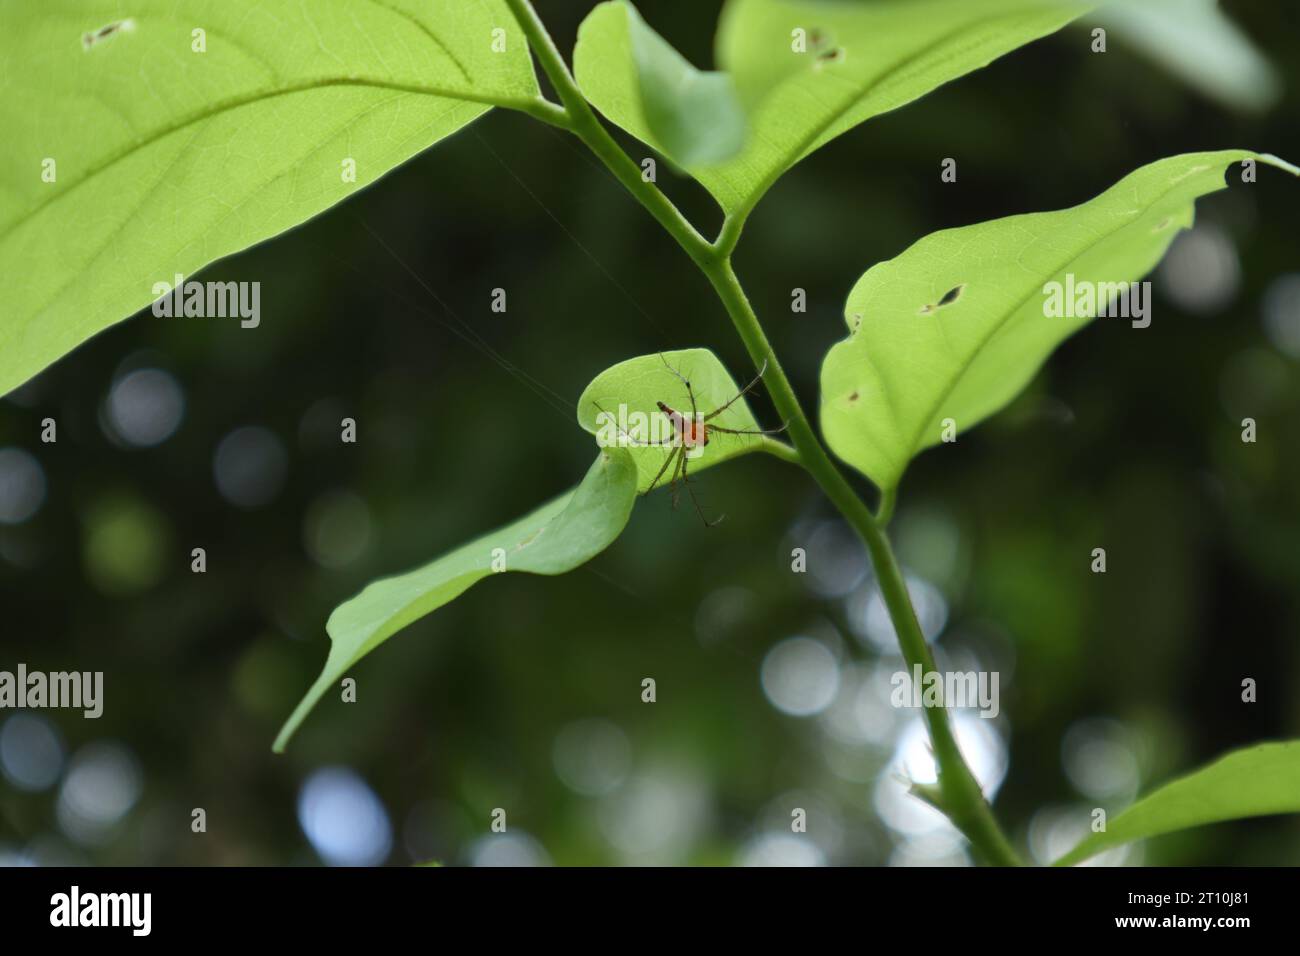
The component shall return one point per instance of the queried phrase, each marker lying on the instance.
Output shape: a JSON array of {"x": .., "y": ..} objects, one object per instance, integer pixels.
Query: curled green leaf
[
  {"x": 691, "y": 116},
  {"x": 621, "y": 407}
]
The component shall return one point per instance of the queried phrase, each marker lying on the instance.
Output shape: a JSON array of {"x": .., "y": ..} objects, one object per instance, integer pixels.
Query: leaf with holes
[
  {"x": 690, "y": 116},
  {"x": 621, "y": 406},
  {"x": 955, "y": 326},
  {"x": 1254, "y": 782},
  {"x": 809, "y": 70},
  {"x": 559, "y": 536},
  {"x": 144, "y": 146}
]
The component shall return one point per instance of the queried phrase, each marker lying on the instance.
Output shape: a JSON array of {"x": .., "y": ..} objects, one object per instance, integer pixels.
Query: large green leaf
[
  {"x": 955, "y": 326},
  {"x": 166, "y": 159},
  {"x": 1254, "y": 782},
  {"x": 692, "y": 117},
  {"x": 629, "y": 393},
  {"x": 860, "y": 59},
  {"x": 560, "y": 535}
]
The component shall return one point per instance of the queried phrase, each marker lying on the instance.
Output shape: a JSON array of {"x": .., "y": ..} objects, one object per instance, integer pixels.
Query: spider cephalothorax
[{"x": 691, "y": 431}]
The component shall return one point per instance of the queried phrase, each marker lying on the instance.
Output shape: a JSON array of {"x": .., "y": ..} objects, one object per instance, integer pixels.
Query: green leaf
[
  {"x": 690, "y": 116},
  {"x": 629, "y": 393},
  {"x": 858, "y": 60},
  {"x": 955, "y": 327},
  {"x": 560, "y": 535},
  {"x": 166, "y": 159},
  {"x": 1253, "y": 782},
  {"x": 1196, "y": 42}
]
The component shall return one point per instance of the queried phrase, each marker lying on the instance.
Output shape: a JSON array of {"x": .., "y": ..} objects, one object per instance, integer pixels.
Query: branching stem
[{"x": 957, "y": 793}]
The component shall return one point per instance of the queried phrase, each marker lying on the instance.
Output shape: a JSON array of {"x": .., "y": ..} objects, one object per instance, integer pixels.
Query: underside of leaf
[
  {"x": 143, "y": 147},
  {"x": 951, "y": 330},
  {"x": 558, "y": 537}
]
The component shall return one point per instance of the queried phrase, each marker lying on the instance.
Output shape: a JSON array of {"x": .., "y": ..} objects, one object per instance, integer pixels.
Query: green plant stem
[
  {"x": 958, "y": 793},
  {"x": 582, "y": 122}
]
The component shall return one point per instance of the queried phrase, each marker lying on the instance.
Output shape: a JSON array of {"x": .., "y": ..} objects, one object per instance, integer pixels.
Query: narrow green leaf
[
  {"x": 1196, "y": 42},
  {"x": 132, "y": 156},
  {"x": 956, "y": 326},
  {"x": 692, "y": 117},
  {"x": 1253, "y": 782},
  {"x": 629, "y": 393},
  {"x": 560, "y": 535}
]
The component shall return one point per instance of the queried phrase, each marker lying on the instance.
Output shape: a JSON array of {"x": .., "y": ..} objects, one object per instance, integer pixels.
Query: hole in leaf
[
  {"x": 948, "y": 298},
  {"x": 88, "y": 40}
]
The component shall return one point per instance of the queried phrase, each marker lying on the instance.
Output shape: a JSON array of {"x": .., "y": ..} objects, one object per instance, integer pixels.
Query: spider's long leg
[
  {"x": 695, "y": 412},
  {"x": 679, "y": 469},
  {"x": 696, "y": 501},
  {"x": 630, "y": 440},
  {"x": 739, "y": 395},
  {"x": 667, "y": 461},
  {"x": 748, "y": 431}
]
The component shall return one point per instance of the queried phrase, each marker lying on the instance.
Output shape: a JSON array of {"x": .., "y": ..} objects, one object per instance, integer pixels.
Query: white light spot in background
[
  {"x": 1055, "y": 831},
  {"x": 654, "y": 818},
  {"x": 800, "y": 676},
  {"x": 861, "y": 712},
  {"x": 937, "y": 848},
  {"x": 592, "y": 757},
  {"x": 145, "y": 407},
  {"x": 781, "y": 849},
  {"x": 837, "y": 562},
  {"x": 249, "y": 467},
  {"x": 31, "y": 753},
  {"x": 1282, "y": 313},
  {"x": 981, "y": 745},
  {"x": 514, "y": 848},
  {"x": 1201, "y": 272},
  {"x": 1099, "y": 760},
  {"x": 10, "y": 857},
  {"x": 344, "y": 820},
  {"x": 102, "y": 785},
  {"x": 22, "y": 486},
  {"x": 979, "y": 742},
  {"x": 869, "y": 617}
]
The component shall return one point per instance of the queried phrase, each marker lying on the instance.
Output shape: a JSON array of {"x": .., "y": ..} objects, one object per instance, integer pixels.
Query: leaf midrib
[{"x": 249, "y": 99}]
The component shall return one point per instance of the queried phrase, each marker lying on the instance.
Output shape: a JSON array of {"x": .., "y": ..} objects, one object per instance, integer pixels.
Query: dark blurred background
[{"x": 772, "y": 687}]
